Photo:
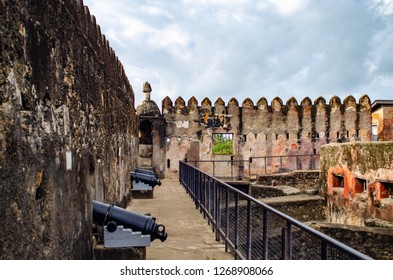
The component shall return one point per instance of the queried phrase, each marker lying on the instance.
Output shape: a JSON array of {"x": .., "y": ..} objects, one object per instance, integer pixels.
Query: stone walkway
[{"x": 189, "y": 235}]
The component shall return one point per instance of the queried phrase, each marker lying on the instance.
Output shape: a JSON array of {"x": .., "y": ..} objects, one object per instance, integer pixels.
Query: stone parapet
[
  {"x": 62, "y": 144},
  {"x": 263, "y": 129}
]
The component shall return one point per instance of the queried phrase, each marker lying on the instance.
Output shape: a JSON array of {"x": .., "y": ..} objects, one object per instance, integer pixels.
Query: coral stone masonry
[
  {"x": 62, "y": 143},
  {"x": 357, "y": 178},
  {"x": 70, "y": 134},
  {"x": 262, "y": 129}
]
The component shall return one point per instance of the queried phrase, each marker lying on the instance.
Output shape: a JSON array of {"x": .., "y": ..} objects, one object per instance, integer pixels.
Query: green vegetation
[{"x": 222, "y": 144}]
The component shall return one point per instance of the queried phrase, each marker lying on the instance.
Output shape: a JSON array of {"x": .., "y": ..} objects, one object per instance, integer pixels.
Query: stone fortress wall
[
  {"x": 262, "y": 129},
  {"x": 61, "y": 142}
]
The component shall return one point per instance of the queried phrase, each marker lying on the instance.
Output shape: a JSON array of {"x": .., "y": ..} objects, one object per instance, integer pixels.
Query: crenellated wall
[
  {"x": 278, "y": 128},
  {"x": 61, "y": 142}
]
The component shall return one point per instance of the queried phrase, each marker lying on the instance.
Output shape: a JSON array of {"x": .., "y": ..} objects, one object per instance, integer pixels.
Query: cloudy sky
[{"x": 252, "y": 48}]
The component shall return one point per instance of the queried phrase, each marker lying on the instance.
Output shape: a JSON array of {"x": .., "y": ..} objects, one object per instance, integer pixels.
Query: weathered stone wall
[
  {"x": 302, "y": 180},
  {"x": 358, "y": 180},
  {"x": 262, "y": 129},
  {"x": 61, "y": 142},
  {"x": 303, "y": 207},
  {"x": 373, "y": 242}
]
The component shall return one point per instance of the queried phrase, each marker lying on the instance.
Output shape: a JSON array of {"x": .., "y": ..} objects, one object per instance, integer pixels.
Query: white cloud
[
  {"x": 168, "y": 36},
  {"x": 239, "y": 48},
  {"x": 288, "y": 7},
  {"x": 228, "y": 3},
  {"x": 384, "y": 7},
  {"x": 133, "y": 29},
  {"x": 112, "y": 36},
  {"x": 384, "y": 81}
]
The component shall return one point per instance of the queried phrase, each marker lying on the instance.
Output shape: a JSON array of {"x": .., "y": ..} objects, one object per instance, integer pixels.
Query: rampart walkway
[{"x": 189, "y": 235}]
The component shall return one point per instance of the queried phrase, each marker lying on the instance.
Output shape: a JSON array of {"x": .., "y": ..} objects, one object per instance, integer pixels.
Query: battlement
[
  {"x": 276, "y": 105},
  {"x": 264, "y": 129},
  {"x": 92, "y": 31}
]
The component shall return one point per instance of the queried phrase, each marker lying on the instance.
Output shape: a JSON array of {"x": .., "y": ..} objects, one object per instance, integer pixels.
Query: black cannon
[
  {"x": 145, "y": 171},
  {"x": 111, "y": 217},
  {"x": 144, "y": 180}
]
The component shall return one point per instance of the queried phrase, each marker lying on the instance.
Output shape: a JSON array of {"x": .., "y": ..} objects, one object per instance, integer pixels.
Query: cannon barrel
[
  {"x": 148, "y": 179},
  {"x": 145, "y": 171},
  {"x": 104, "y": 214}
]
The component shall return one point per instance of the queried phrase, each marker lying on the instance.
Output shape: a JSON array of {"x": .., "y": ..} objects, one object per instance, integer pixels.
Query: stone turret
[
  {"x": 151, "y": 134},
  {"x": 148, "y": 107}
]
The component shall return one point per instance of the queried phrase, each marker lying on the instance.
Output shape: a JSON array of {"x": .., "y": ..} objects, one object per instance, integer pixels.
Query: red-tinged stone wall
[
  {"x": 262, "y": 129},
  {"x": 357, "y": 178},
  {"x": 61, "y": 143}
]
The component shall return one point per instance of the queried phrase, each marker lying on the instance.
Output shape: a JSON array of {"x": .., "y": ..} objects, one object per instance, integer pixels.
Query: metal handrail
[
  {"x": 213, "y": 198},
  {"x": 301, "y": 155},
  {"x": 249, "y": 162},
  {"x": 231, "y": 162},
  {"x": 297, "y": 157}
]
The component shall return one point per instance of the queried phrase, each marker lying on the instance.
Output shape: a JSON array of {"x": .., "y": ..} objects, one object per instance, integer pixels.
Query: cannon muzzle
[
  {"x": 145, "y": 178},
  {"x": 113, "y": 216}
]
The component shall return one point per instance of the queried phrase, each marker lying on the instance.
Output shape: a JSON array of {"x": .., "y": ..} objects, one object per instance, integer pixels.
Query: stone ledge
[{"x": 291, "y": 198}]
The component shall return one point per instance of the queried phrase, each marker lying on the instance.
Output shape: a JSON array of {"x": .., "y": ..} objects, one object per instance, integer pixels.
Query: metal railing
[
  {"x": 224, "y": 169},
  {"x": 280, "y": 164},
  {"x": 242, "y": 169},
  {"x": 254, "y": 230}
]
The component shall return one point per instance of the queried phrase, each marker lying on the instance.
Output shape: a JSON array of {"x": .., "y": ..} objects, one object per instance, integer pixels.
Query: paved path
[{"x": 189, "y": 235}]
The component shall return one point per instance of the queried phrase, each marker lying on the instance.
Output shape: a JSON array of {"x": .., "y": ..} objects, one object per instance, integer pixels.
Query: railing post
[
  {"x": 214, "y": 170},
  {"x": 265, "y": 235},
  {"x": 208, "y": 201},
  {"x": 249, "y": 230},
  {"x": 193, "y": 184},
  {"x": 218, "y": 211},
  {"x": 203, "y": 200},
  {"x": 231, "y": 168},
  {"x": 289, "y": 234},
  {"x": 180, "y": 173},
  {"x": 287, "y": 242},
  {"x": 265, "y": 165},
  {"x": 197, "y": 188},
  {"x": 226, "y": 219},
  {"x": 186, "y": 176},
  {"x": 200, "y": 196},
  {"x": 214, "y": 217},
  {"x": 249, "y": 168},
  {"x": 280, "y": 163},
  {"x": 201, "y": 192},
  {"x": 324, "y": 250},
  {"x": 236, "y": 224}
]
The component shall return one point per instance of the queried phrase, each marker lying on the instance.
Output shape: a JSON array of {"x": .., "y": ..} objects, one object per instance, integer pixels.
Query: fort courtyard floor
[{"x": 189, "y": 235}]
